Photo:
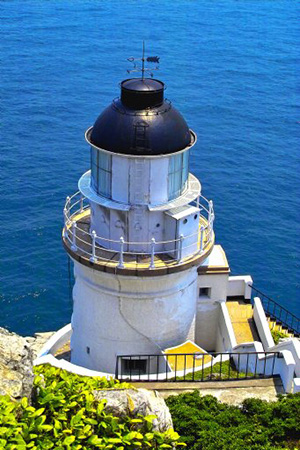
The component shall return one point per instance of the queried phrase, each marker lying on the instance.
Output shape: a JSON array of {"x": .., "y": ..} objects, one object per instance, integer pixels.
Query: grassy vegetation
[
  {"x": 276, "y": 335},
  {"x": 205, "y": 423},
  {"x": 218, "y": 371},
  {"x": 64, "y": 415}
]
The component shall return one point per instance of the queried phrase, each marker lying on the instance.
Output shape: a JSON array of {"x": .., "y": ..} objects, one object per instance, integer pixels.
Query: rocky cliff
[{"x": 17, "y": 354}]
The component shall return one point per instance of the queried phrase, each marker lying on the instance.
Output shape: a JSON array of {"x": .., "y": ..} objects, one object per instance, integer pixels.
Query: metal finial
[{"x": 143, "y": 69}]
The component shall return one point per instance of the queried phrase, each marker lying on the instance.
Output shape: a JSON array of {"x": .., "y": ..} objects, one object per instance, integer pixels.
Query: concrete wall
[
  {"x": 292, "y": 345},
  {"x": 296, "y": 385},
  {"x": 226, "y": 340},
  {"x": 207, "y": 314},
  {"x": 129, "y": 315},
  {"x": 282, "y": 364},
  {"x": 262, "y": 324},
  {"x": 239, "y": 286},
  {"x": 60, "y": 338}
]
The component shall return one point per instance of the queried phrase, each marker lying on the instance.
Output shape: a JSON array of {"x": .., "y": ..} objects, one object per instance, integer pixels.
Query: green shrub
[
  {"x": 64, "y": 415},
  {"x": 206, "y": 423},
  {"x": 276, "y": 335}
]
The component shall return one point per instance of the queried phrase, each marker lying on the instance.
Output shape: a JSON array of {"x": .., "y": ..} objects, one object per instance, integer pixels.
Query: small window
[
  {"x": 205, "y": 292},
  {"x": 134, "y": 366},
  {"x": 88, "y": 350}
]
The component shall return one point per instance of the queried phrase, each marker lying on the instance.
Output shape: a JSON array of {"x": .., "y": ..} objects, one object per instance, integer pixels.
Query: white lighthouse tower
[{"x": 137, "y": 231}]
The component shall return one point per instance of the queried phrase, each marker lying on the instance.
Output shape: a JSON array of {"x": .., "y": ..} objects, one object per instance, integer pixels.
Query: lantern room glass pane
[
  {"x": 185, "y": 167},
  {"x": 178, "y": 174},
  {"x": 101, "y": 172},
  {"x": 94, "y": 154},
  {"x": 104, "y": 183},
  {"x": 104, "y": 161}
]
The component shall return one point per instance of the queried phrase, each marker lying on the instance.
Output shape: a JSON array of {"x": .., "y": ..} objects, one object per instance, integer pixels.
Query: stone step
[{"x": 278, "y": 327}]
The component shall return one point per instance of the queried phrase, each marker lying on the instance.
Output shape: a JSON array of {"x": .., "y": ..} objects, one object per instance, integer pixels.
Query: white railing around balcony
[{"x": 152, "y": 254}]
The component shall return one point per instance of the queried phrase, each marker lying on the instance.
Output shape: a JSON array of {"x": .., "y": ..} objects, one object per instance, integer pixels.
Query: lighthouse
[{"x": 138, "y": 230}]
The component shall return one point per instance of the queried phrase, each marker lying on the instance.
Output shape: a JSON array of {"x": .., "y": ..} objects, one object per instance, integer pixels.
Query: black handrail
[
  {"x": 279, "y": 313},
  {"x": 193, "y": 367}
]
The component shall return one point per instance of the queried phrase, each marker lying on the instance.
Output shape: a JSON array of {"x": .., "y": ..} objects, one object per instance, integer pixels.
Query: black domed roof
[{"x": 141, "y": 122}]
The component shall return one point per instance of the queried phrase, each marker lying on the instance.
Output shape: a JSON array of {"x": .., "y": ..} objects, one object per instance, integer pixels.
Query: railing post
[
  {"x": 210, "y": 219},
  {"x": 67, "y": 207},
  {"x": 201, "y": 238},
  {"x": 198, "y": 201},
  {"x": 121, "y": 255},
  {"x": 210, "y": 210},
  {"x": 179, "y": 254},
  {"x": 74, "y": 227},
  {"x": 81, "y": 203},
  {"x": 117, "y": 368},
  {"x": 152, "y": 265},
  {"x": 66, "y": 220},
  {"x": 93, "y": 258}
]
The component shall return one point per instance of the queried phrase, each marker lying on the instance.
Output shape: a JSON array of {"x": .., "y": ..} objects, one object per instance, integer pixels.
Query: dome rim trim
[{"x": 131, "y": 155}]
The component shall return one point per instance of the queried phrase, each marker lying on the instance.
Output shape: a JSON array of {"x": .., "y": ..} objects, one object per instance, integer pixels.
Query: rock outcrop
[
  {"x": 17, "y": 354},
  {"x": 132, "y": 402}
]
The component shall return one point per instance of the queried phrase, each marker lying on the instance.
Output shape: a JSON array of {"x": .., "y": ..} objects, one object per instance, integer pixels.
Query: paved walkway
[
  {"x": 232, "y": 392},
  {"x": 241, "y": 316}
]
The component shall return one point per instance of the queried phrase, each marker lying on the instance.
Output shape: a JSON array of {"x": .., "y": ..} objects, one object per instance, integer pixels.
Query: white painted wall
[
  {"x": 262, "y": 324},
  {"x": 120, "y": 179},
  {"x": 296, "y": 385},
  {"x": 207, "y": 314},
  {"x": 239, "y": 286},
  {"x": 159, "y": 181},
  {"x": 292, "y": 345},
  {"x": 129, "y": 315},
  {"x": 140, "y": 180},
  {"x": 100, "y": 222},
  {"x": 226, "y": 340},
  {"x": 270, "y": 364}
]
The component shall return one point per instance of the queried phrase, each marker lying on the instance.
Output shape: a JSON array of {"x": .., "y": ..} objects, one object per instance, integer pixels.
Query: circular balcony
[{"x": 117, "y": 256}]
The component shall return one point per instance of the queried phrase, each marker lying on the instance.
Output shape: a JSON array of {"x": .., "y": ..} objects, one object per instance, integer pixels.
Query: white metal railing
[{"x": 99, "y": 248}]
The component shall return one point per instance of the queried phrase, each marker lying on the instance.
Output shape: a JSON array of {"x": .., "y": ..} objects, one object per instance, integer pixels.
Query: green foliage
[
  {"x": 66, "y": 416},
  {"x": 206, "y": 423},
  {"x": 218, "y": 371},
  {"x": 276, "y": 335}
]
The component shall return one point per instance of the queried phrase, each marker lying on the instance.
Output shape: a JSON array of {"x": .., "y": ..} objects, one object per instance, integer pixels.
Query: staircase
[
  {"x": 241, "y": 316},
  {"x": 279, "y": 318},
  {"x": 277, "y": 326}
]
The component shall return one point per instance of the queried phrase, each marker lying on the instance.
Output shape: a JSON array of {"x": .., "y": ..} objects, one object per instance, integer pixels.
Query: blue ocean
[{"x": 229, "y": 67}]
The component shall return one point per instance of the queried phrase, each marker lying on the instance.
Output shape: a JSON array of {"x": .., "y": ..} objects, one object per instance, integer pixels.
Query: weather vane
[{"x": 143, "y": 69}]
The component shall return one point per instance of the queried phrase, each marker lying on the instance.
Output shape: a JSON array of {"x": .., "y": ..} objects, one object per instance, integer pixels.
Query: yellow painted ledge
[{"x": 198, "y": 358}]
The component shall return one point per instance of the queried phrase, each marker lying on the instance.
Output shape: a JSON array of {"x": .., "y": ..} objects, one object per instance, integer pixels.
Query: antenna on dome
[{"x": 142, "y": 68}]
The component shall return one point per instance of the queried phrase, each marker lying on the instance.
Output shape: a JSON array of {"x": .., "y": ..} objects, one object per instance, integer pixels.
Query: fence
[
  {"x": 96, "y": 247},
  {"x": 197, "y": 366},
  {"x": 279, "y": 313}
]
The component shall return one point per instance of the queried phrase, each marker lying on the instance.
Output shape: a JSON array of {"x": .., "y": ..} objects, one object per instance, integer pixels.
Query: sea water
[{"x": 229, "y": 67}]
